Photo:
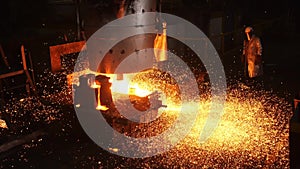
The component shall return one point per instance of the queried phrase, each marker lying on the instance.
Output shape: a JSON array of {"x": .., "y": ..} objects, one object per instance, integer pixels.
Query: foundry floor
[{"x": 282, "y": 71}]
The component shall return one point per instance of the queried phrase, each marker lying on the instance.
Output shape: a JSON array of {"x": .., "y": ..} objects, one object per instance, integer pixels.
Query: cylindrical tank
[{"x": 133, "y": 50}]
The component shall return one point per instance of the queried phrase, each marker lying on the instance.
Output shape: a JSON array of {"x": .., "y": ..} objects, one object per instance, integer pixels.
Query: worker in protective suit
[{"x": 252, "y": 55}]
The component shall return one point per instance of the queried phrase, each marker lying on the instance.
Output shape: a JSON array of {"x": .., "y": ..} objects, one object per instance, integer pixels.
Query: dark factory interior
[{"x": 42, "y": 102}]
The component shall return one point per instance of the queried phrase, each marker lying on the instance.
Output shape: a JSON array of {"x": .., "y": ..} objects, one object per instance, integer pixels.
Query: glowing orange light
[
  {"x": 99, "y": 106},
  {"x": 3, "y": 124},
  {"x": 126, "y": 86},
  {"x": 95, "y": 86},
  {"x": 136, "y": 90}
]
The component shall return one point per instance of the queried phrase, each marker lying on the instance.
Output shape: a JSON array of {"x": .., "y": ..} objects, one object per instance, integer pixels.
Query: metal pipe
[{"x": 77, "y": 3}]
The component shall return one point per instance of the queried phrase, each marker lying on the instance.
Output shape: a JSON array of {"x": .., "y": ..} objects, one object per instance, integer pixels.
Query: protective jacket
[{"x": 253, "y": 60}]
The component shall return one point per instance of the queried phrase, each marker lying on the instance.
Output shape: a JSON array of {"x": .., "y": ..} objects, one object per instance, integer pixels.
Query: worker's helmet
[{"x": 248, "y": 29}]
